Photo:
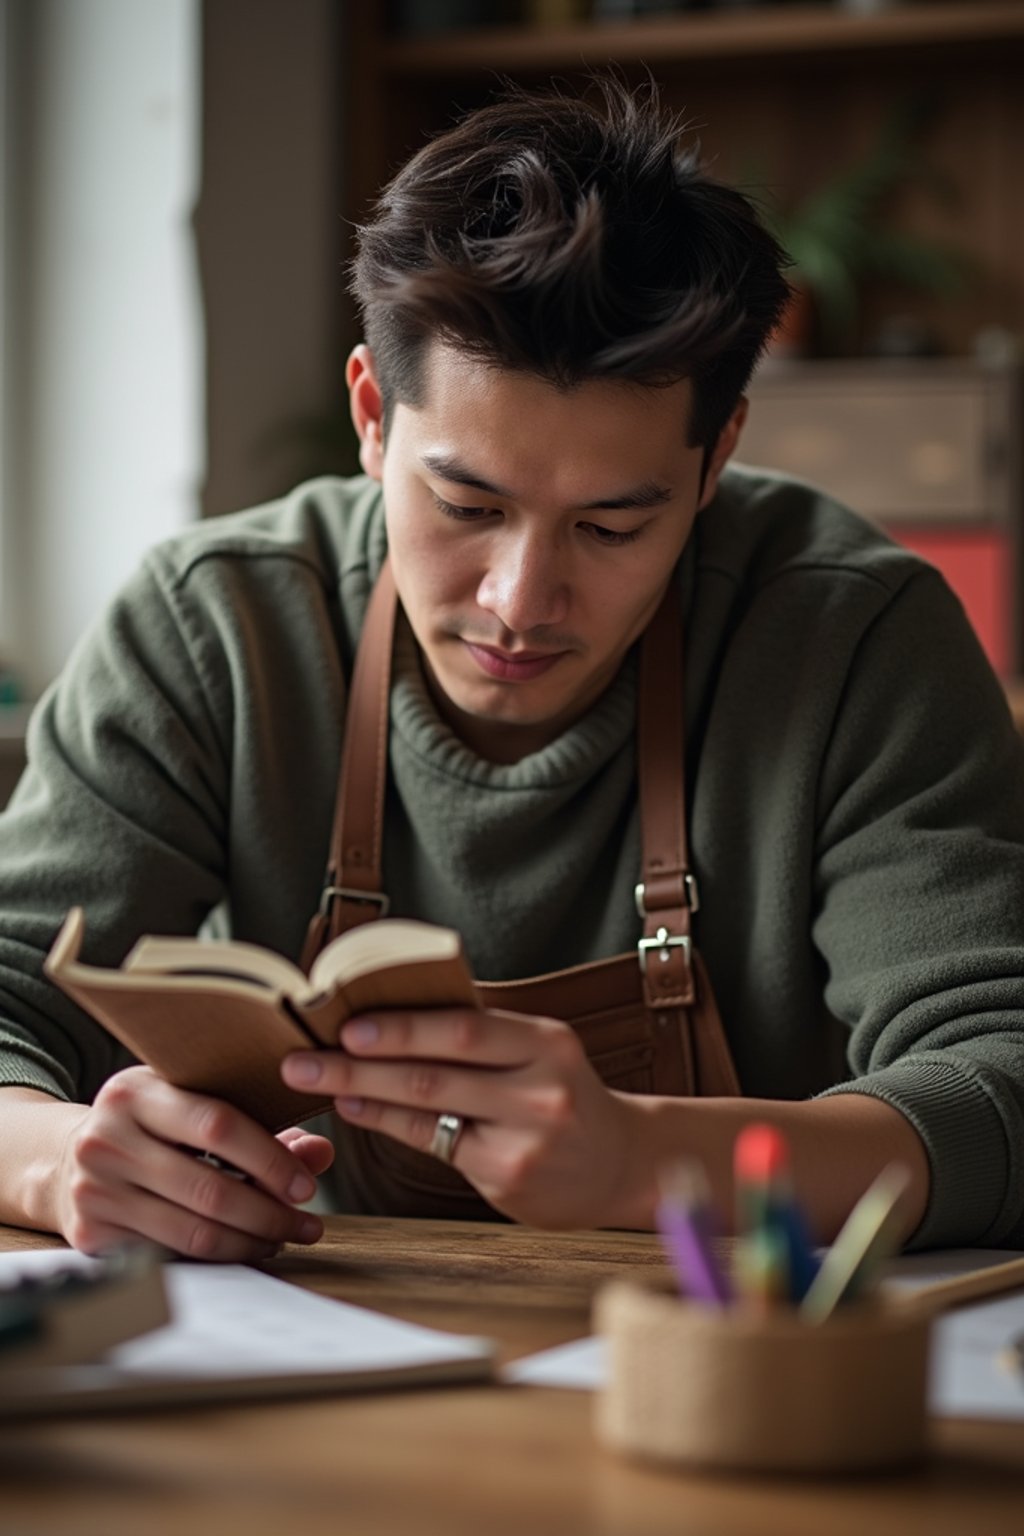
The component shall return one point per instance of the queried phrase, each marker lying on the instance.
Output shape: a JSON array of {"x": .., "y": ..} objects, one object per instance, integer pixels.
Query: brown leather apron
[{"x": 647, "y": 1019}]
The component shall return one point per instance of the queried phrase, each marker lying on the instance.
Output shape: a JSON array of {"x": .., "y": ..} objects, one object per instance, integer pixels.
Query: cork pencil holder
[{"x": 726, "y": 1389}]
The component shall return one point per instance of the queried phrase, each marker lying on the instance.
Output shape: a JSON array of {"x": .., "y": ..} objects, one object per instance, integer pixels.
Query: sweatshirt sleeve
[
  {"x": 120, "y": 810},
  {"x": 920, "y": 905}
]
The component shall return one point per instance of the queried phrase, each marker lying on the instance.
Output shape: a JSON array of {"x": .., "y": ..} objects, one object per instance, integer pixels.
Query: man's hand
[
  {"x": 545, "y": 1141},
  {"x": 548, "y": 1144},
  {"x": 129, "y": 1167}
]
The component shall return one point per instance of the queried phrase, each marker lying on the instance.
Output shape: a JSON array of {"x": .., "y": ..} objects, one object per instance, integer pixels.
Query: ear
[
  {"x": 723, "y": 450},
  {"x": 367, "y": 409}
]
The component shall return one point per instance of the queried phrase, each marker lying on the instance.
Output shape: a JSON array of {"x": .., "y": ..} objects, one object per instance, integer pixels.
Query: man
[{"x": 561, "y": 315}]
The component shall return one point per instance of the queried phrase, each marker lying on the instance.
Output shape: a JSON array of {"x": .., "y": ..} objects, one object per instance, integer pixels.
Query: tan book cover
[{"x": 219, "y": 1017}]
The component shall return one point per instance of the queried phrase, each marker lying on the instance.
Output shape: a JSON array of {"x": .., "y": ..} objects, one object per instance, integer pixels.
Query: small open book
[{"x": 219, "y": 1017}]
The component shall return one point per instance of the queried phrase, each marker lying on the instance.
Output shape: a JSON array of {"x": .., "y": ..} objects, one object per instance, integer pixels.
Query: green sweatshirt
[{"x": 855, "y": 792}]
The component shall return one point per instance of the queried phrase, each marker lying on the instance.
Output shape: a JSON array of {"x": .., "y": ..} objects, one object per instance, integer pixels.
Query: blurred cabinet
[{"x": 930, "y": 451}]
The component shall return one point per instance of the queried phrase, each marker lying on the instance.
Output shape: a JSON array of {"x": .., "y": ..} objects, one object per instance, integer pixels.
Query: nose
[{"x": 525, "y": 585}]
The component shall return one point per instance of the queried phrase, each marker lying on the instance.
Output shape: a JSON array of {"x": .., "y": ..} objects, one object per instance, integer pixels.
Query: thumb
[{"x": 316, "y": 1153}]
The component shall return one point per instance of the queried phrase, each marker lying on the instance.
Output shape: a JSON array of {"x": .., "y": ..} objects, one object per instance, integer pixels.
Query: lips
[{"x": 512, "y": 667}]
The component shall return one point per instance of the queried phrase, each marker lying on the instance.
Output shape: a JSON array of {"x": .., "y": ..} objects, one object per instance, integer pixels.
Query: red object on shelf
[{"x": 978, "y": 564}]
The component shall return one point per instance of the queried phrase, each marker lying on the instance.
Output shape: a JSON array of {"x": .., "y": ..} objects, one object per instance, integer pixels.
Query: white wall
[{"x": 109, "y": 367}]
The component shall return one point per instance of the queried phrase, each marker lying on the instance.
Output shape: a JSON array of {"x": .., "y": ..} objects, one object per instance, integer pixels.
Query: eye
[
  {"x": 460, "y": 514},
  {"x": 613, "y": 535}
]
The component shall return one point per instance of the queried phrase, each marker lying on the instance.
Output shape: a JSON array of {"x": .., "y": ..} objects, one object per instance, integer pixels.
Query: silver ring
[{"x": 445, "y": 1138}]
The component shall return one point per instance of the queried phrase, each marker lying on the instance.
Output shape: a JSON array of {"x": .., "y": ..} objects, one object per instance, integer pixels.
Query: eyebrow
[{"x": 446, "y": 467}]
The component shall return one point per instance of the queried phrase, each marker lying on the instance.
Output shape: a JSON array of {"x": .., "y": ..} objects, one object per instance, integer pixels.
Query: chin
[
  {"x": 496, "y": 708},
  {"x": 478, "y": 706}
]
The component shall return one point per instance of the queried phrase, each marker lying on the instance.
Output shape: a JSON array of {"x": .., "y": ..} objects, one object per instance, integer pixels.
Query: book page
[
  {"x": 156, "y": 962},
  {"x": 388, "y": 942},
  {"x": 225, "y": 958}
]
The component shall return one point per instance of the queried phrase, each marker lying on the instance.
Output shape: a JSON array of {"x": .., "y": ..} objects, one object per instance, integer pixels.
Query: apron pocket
[{"x": 629, "y": 1069}]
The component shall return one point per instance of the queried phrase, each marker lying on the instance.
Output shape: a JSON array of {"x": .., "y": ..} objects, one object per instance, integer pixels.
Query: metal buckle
[
  {"x": 663, "y": 941},
  {"x": 329, "y": 892},
  {"x": 689, "y": 885}
]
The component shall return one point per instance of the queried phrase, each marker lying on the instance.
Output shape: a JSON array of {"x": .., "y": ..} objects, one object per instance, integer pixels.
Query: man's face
[{"x": 532, "y": 534}]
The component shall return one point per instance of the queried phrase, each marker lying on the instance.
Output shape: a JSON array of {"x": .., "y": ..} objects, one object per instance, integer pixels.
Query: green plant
[{"x": 837, "y": 235}]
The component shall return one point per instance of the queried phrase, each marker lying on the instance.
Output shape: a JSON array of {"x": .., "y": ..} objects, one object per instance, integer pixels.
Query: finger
[
  {"x": 96, "y": 1237},
  {"x": 525, "y": 1100},
  {"x": 139, "y": 1213},
  {"x": 495, "y": 1159},
  {"x": 484, "y": 1037},
  {"x": 316, "y": 1153},
  {"x": 527, "y": 1097},
  {"x": 188, "y": 1183},
  {"x": 290, "y": 1135},
  {"x": 210, "y": 1125},
  {"x": 483, "y": 1094},
  {"x": 415, "y": 1128}
]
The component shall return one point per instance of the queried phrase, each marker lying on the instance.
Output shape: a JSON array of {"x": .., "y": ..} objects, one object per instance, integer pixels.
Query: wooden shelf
[{"x": 705, "y": 36}]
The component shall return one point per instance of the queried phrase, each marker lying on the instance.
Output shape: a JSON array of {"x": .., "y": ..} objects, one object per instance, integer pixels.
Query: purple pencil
[{"x": 684, "y": 1221}]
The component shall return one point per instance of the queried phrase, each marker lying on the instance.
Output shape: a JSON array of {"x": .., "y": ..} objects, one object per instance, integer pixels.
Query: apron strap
[
  {"x": 352, "y": 892},
  {"x": 667, "y": 893}
]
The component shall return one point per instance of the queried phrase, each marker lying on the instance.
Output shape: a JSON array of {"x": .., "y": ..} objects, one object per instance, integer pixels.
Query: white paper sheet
[
  {"x": 236, "y": 1324},
  {"x": 968, "y": 1378},
  {"x": 913, "y": 1271},
  {"x": 579, "y": 1365}
]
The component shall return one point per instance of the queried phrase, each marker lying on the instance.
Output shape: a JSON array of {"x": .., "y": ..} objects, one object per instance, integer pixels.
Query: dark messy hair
[{"x": 574, "y": 238}]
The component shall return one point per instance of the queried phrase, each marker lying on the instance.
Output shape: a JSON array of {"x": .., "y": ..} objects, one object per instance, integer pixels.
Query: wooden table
[{"x": 459, "y": 1460}]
